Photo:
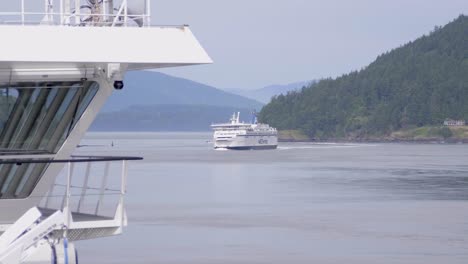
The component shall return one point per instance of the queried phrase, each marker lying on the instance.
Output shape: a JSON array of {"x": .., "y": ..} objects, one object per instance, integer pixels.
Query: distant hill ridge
[
  {"x": 153, "y": 101},
  {"x": 265, "y": 94},
  {"x": 167, "y": 117},
  {"x": 153, "y": 88},
  {"x": 418, "y": 84}
]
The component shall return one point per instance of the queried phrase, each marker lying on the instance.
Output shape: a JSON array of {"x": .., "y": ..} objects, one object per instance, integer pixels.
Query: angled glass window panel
[
  {"x": 36, "y": 102},
  {"x": 66, "y": 102},
  {"x": 90, "y": 93},
  {"x": 7, "y": 101},
  {"x": 14, "y": 185},
  {"x": 37, "y": 119},
  {"x": 30, "y": 180},
  {"x": 8, "y": 189},
  {"x": 14, "y": 118},
  {"x": 87, "y": 93},
  {"x": 7, "y": 171},
  {"x": 23, "y": 181}
]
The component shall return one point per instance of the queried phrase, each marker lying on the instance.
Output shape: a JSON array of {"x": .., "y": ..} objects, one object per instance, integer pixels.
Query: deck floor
[{"x": 77, "y": 217}]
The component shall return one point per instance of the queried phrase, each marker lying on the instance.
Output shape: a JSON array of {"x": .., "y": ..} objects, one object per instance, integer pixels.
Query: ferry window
[{"x": 37, "y": 118}]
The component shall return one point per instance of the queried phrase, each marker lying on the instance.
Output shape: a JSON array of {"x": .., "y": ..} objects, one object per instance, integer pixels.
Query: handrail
[
  {"x": 79, "y": 159},
  {"x": 73, "y": 16},
  {"x": 35, "y": 23},
  {"x": 66, "y": 203}
]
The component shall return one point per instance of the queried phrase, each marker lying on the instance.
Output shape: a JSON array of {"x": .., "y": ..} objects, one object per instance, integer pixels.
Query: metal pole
[
  {"x": 51, "y": 11},
  {"x": 67, "y": 203},
  {"x": 77, "y": 12},
  {"x": 67, "y": 12},
  {"x": 85, "y": 187},
  {"x": 66, "y": 210},
  {"x": 46, "y": 8},
  {"x": 108, "y": 11},
  {"x": 61, "y": 12},
  {"x": 22, "y": 12},
  {"x": 104, "y": 11},
  {"x": 70, "y": 171},
  {"x": 125, "y": 12},
  {"x": 103, "y": 188},
  {"x": 148, "y": 13},
  {"x": 123, "y": 189}
]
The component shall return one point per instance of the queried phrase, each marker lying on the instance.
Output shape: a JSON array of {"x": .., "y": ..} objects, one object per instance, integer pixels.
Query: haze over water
[{"x": 302, "y": 203}]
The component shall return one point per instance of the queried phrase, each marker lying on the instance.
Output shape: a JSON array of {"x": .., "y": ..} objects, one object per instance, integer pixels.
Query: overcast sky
[{"x": 255, "y": 43}]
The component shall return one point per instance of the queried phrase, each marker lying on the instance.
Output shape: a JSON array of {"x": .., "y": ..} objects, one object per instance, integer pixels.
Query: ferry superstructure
[
  {"x": 238, "y": 135},
  {"x": 57, "y": 69}
]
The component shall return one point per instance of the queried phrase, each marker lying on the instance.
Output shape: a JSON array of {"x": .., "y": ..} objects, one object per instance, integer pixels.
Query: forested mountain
[
  {"x": 153, "y": 88},
  {"x": 167, "y": 118},
  {"x": 418, "y": 84},
  {"x": 152, "y": 101}
]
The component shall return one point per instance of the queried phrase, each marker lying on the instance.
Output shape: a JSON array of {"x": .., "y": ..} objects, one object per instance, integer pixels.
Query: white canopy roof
[{"x": 140, "y": 48}]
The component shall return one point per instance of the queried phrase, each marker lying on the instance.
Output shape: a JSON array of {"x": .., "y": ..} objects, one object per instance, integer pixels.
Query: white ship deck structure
[
  {"x": 57, "y": 69},
  {"x": 237, "y": 135}
]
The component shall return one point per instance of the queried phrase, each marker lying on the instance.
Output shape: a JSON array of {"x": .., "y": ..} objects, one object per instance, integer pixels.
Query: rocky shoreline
[
  {"x": 340, "y": 140},
  {"x": 396, "y": 137}
]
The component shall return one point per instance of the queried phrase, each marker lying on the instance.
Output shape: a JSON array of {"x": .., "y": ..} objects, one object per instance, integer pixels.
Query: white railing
[
  {"x": 84, "y": 186},
  {"x": 69, "y": 16}
]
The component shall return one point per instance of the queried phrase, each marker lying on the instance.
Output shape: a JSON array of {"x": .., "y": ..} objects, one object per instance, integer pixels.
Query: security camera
[{"x": 118, "y": 85}]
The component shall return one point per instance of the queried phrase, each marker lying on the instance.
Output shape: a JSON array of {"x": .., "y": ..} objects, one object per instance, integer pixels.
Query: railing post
[
  {"x": 22, "y": 12},
  {"x": 148, "y": 13},
  {"x": 125, "y": 12},
  {"x": 103, "y": 188},
  {"x": 77, "y": 13},
  {"x": 85, "y": 187},
  {"x": 104, "y": 12},
  {"x": 50, "y": 12},
  {"x": 61, "y": 12},
  {"x": 67, "y": 12},
  {"x": 46, "y": 8},
  {"x": 123, "y": 189},
  {"x": 69, "y": 175},
  {"x": 66, "y": 209}
]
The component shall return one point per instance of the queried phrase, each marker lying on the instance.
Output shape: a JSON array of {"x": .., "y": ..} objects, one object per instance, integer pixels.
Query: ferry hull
[
  {"x": 253, "y": 147},
  {"x": 247, "y": 143}
]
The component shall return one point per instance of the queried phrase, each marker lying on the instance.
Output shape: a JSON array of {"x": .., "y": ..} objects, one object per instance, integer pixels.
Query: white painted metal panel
[{"x": 149, "y": 47}]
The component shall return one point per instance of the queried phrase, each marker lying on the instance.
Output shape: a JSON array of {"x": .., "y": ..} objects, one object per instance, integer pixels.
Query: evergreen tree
[{"x": 419, "y": 84}]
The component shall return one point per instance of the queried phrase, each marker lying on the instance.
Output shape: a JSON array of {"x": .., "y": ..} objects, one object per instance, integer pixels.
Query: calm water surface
[{"x": 302, "y": 203}]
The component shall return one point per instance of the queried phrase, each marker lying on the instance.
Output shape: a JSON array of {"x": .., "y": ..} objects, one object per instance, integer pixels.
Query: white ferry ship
[
  {"x": 57, "y": 69},
  {"x": 244, "y": 136}
]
